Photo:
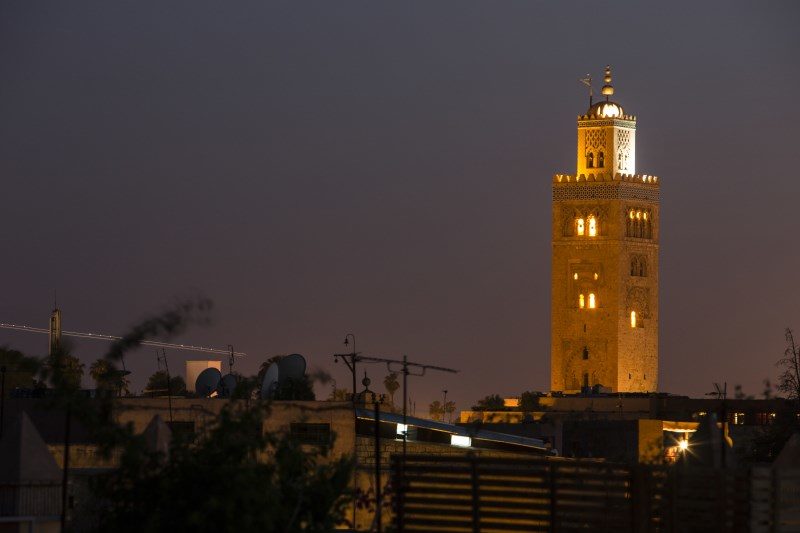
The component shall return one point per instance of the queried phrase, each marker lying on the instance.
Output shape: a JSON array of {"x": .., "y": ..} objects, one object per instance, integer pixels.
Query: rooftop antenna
[
  {"x": 230, "y": 359},
  {"x": 588, "y": 82},
  {"x": 395, "y": 365}
]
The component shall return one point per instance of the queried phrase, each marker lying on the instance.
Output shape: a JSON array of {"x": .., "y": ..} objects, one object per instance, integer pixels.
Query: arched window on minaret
[
  {"x": 592, "y": 226},
  {"x": 600, "y": 160},
  {"x": 590, "y": 160},
  {"x": 592, "y": 302},
  {"x": 580, "y": 226},
  {"x": 643, "y": 267},
  {"x": 581, "y": 301},
  {"x": 634, "y": 266},
  {"x": 620, "y": 161},
  {"x": 630, "y": 224}
]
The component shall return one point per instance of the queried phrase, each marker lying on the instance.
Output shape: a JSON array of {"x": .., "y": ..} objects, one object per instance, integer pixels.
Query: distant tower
[
  {"x": 55, "y": 331},
  {"x": 604, "y": 314}
]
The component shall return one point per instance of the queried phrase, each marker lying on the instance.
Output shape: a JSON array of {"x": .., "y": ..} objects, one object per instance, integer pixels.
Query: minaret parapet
[{"x": 645, "y": 179}]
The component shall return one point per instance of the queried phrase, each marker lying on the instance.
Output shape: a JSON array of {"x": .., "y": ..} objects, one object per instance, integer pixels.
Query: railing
[
  {"x": 30, "y": 499},
  {"x": 475, "y": 494}
]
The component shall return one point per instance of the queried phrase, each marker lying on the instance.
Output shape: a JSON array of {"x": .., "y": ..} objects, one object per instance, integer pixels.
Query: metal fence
[{"x": 475, "y": 494}]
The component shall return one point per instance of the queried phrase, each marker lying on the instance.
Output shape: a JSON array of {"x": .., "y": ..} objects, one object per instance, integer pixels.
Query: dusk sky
[{"x": 323, "y": 168}]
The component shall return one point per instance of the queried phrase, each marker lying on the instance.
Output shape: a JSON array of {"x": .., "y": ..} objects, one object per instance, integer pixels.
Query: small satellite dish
[
  {"x": 227, "y": 385},
  {"x": 207, "y": 382},
  {"x": 270, "y": 382},
  {"x": 292, "y": 367}
]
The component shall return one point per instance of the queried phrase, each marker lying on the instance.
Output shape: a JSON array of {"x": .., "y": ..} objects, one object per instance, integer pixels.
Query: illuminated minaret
[
  {"x": 604, "y": 314},
  {"x": 55, "y": 331}
]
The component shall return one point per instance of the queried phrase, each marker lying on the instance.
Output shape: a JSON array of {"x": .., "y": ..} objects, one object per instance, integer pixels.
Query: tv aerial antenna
[
  {"x": 720, "y": 392},
  {"x": 407, "y": 368}
]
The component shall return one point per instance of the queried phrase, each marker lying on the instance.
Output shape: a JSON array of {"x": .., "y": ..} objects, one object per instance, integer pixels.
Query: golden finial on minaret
[{"x": 608, "y": 89}]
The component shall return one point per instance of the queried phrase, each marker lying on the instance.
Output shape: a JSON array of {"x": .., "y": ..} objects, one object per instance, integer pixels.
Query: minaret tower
[{"x": 604, "y": 314}]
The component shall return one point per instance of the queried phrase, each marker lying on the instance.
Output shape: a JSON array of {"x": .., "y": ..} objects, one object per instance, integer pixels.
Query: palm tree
[
  {"x": 99, "y": 372},
  {"x": 391, "y": 384},
  {"x": 448, "y": 409},
  {"x": 436, "y": 410}
]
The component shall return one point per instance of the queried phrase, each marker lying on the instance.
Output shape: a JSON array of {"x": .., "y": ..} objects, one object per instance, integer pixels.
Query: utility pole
[
  {"x": 444, "y": 403},
  {"x": 350, "y": 360},
  {"x": 378, "y": 497}
]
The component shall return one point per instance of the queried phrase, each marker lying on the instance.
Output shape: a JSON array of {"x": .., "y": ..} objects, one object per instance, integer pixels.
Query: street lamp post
[{"x": 350, "y": 360}]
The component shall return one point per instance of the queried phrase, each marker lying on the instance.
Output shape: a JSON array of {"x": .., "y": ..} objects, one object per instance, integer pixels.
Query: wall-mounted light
[{"x": 460, "y": 440}]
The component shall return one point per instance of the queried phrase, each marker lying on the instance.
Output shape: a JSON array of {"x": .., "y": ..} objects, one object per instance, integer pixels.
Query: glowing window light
[
  {"x": 633, "y": 319},
  {"x": 638, "y": 215},
  {"x": 631, "y": 214},
  {"x": 592, "y": 227},
  {"x": 592, "y": 303},
  {"x": 595, "y": 276},
  {"x": 645, "y": 215},
  {"x": 581, "y": 301},
  {"x": 580, "y": 226},
  {"x": 402, "y": 429},
  {"x": 460, "y": 440},
  {"x": 575, "y": 275}
]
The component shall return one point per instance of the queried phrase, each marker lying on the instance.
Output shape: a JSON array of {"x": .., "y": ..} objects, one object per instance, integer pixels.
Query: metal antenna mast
[
  {"x": 102, "y": 337},
  {"x": 395, "y": 365}
]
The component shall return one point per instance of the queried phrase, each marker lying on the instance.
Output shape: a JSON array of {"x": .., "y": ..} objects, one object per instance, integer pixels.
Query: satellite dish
[
  {"x": 292, "y": 367},
  {"x": 227, "y": 385},
  {"x": 207, "y": 382},
  {"x": 270, "y": 382}
]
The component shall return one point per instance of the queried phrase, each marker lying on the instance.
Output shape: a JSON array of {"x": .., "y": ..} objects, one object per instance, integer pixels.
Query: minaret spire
[{"x": 608, "y": 89}]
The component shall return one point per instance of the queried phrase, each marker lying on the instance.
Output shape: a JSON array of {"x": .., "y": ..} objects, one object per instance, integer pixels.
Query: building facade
[{"x": 604, "y": 307}]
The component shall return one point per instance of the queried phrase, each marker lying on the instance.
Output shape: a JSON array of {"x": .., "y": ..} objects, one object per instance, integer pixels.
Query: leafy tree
[
  {"x": 339, "y": 395},
  {"x": 64, "y": 369},
  {"x": 295, "y": 389},
  {"x": 528, "y": 401},
  {"x": 234, "y": 475},
  {"x": 739, "y": 394},
  {"x": 436, "y": 410},
  {"x": 493, "y": 402},
  {"x": 448, "y": 409},
  {"x": 391, "y": 384},
  {"x": 107, "y": 377},
  {"x": 789, "y": 380},
  {"x": 771, "y": 439},
  {"x": 157, "y": 383},
  {"x": 768, "y": 391},
  {"x": 20, "y": 369}
]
